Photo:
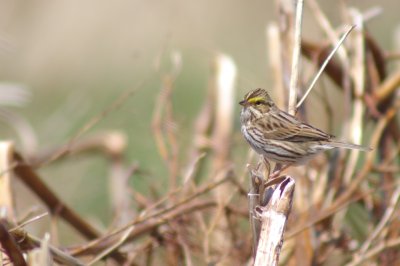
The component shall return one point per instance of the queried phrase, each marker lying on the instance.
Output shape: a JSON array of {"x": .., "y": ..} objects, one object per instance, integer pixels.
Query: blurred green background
[{"x": 76, "y": 57}]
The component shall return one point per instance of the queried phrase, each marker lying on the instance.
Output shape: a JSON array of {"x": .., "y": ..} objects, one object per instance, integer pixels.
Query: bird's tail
[{"x": 346, "y": 145}]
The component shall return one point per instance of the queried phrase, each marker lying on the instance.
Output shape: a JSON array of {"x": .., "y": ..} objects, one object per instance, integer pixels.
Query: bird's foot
[{"x": 278, "y": 170}]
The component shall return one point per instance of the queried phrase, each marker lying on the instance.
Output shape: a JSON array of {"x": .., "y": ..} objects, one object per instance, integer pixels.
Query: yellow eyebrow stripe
[{"x": 255, "y": 99}]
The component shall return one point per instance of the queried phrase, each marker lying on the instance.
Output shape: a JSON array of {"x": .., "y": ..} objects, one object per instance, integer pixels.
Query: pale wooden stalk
[
  {"x": 274, "y": 217},
  {"x": 355, "y": 122},
  {"x": 6, "y": 197},
  {"x": 358, "y": 76},
  {"x": 294, "y": 75},
  {"x": 224, "y": 113},
  {"x": 41, "y": 256},
  {"x": 286, "y": 29},
  {"x": 275, "y": 61},
  {"x": 225, "y": 78}
]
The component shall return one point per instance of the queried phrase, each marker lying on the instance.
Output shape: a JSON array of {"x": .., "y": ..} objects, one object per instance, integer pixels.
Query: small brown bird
[{"x": 281, "y": 137}]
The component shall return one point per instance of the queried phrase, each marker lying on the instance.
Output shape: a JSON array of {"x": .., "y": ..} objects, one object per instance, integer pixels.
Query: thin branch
[
  {"x": 112, "y": 247},
  {"x": 390, "y": 210},
  {"x": 324, "y": 65},
  {"x": 27, "y": 242},
  {"x": 140, "y": 229},
  {"x": 154, "y": 217},
  {"x": 388, "y": 87},
  {"x": 10, "y": 246},
  {"x": 31, "y": 220},
  {"x": 392, "y": 243},
  {"x": 54, "y": 203}
]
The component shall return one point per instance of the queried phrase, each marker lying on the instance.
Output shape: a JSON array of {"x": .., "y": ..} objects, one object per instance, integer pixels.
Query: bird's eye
[{"x": 258, "y": 102}]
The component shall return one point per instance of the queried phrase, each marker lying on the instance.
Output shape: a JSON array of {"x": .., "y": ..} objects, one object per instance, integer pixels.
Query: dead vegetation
[{"x": 202, "y": 217}]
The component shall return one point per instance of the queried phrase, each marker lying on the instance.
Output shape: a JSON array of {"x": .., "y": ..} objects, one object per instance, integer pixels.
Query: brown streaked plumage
[{"x": 281, "y": 137}]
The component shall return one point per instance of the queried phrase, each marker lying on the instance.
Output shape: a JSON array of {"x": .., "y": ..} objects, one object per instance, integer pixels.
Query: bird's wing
[{"x": 283, "y": 126}]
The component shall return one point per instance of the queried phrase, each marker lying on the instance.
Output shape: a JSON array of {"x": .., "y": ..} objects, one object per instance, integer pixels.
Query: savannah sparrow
[{"x": 281, "y": 137}]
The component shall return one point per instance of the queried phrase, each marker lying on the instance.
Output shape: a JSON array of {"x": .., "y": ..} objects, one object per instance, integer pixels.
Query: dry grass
[{"x": 345, "y": 205}]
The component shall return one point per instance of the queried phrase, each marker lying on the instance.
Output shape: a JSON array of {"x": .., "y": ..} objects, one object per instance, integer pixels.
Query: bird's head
[{"x": 257, "y": 99}]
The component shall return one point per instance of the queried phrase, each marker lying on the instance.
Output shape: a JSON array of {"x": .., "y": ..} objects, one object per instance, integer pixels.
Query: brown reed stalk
[{"x": 10, "y": 246}]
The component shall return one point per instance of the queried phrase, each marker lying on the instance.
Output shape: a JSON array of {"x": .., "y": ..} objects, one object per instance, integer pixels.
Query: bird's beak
[{"x": 243, "y": 103}]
